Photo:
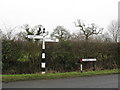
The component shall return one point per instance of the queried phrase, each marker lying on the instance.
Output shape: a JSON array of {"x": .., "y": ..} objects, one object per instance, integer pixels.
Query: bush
[{"x": 25, "y": 56}]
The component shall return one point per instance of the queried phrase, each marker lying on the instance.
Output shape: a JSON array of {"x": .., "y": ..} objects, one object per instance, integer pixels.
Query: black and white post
[
  {"x": 81, "y": 65},
  {"x": 42, "y": 38},
  {"x": 43, "y": 53},
  {"x": 84, "y": 60}
]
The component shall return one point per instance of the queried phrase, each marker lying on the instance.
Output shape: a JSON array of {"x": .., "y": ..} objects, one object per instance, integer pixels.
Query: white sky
[{"x": 51, "y": 13}]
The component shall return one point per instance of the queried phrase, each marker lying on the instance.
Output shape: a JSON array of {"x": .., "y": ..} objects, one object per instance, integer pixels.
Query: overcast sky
[{"x": 51, "y": 13}]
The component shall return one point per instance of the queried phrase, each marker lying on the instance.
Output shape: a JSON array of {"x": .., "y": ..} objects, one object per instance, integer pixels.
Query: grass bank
[{"x": 22, "y": 77}]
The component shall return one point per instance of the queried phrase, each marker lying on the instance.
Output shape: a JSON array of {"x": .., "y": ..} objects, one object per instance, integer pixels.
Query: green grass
[{"x": 22, "y": 77}]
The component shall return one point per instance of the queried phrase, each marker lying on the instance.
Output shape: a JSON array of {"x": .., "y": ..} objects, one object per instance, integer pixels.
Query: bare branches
[
  {"x": 61, "y": 33},
  {"x": 38, "y": 28},
  {"x": 88, "y": 30},
  {"x": 35, "y": 30},
  {"x": 113, "y": 30},
  {"x": 27, "y": 28}
]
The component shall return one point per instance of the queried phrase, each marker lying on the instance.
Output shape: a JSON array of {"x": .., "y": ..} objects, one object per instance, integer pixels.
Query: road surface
[{"x": 98, "y": 81}]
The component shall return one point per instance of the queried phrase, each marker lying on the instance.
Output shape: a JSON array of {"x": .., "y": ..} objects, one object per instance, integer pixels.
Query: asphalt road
[{"x": 99, "y": 81}]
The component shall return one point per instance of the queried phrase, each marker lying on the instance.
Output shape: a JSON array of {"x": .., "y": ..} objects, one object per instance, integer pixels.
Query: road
[{"x": 98, "y": 81}]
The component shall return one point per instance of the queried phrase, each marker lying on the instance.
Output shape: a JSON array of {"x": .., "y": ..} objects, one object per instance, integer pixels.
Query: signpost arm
[{"x": 84, "y": 60}]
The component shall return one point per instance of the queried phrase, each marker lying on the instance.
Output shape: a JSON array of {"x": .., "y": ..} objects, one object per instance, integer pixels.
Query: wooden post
[{"x": 93, "y": 66}]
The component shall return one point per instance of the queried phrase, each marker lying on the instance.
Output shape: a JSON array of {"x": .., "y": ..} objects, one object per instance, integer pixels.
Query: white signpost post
[
  {"x": 86, "y": 60},
  {"x": 42, "y": 38}
]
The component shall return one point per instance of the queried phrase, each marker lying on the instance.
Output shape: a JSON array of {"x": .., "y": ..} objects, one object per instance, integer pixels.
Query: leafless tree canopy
[
  {"x": 87, "y": 31},
  {"x": 61, "y": 33},
  {"x": 30, "y": 31},
  {"x": 113, "y": 30}
]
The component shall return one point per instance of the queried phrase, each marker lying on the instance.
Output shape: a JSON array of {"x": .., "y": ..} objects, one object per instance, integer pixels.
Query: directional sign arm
[
  {"x": 51, "y": 40},
  {"x": 88, "y": 59}
]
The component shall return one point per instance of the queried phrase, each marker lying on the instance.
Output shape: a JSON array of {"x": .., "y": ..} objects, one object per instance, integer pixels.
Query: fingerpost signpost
[
  {"x": 42, "y": 38},
  {"x": 87, "y": 60}
]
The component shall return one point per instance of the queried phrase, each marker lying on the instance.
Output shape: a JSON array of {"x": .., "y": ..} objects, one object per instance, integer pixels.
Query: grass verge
[{"x": 22, "y": 77}]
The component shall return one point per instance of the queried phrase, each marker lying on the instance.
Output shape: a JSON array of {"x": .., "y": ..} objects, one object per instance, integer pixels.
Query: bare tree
[
  {"x": 61, "y": 33},
  {"x": 106, "y": 37},
  {"x": 77, "y": 36},
  {"x": 21, "y": 36},
  {"x": 26, "y": 27},
  {"x": 113, "y": 30},
  {"x": 1, "y": 33},
  {"x": 31, "y": 31},
  {"x": 9, "y": 35},
  {"x": 36, "y": 30},
  {"x": 88, "y": 31}
]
